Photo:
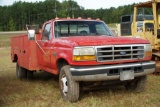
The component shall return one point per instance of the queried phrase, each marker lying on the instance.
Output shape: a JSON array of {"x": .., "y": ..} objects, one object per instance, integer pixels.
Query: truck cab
[{"x": 82, "y": 50}]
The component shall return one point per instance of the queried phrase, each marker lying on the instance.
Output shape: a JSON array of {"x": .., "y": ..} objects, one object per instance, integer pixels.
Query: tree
[
  {"x": 12, "y": 25},
  {"x": 16, "y": 16}
]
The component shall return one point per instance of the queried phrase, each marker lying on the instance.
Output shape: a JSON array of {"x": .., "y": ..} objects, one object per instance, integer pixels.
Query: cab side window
[{"x": 46, "y": 35}]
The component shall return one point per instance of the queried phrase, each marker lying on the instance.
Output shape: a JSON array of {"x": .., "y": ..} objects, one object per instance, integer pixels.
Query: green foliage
[
  {"x": 16, "y": 16},
  {"x": 12, "y": 25}
]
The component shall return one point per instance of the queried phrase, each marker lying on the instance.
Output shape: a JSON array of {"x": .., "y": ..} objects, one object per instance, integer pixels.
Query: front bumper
[{"x": 110, "y": 72}]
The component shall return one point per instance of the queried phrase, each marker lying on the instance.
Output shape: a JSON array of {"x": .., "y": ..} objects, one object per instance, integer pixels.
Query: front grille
[{"x": 119, "y": 52}]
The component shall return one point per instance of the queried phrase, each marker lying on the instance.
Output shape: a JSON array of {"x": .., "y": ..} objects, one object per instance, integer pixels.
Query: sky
[{"x": 87, "y": 4}]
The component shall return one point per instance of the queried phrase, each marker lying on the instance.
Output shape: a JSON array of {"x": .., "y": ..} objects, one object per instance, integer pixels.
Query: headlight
[
  {"x": 84, "y": 53},
  {"x": 148, "y": 50}
]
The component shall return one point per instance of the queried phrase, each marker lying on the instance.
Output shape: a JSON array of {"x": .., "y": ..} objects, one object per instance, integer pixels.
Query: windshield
[{"x": 81, "y": 28}]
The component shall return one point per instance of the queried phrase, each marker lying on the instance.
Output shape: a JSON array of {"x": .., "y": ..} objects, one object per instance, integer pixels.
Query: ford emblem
[{"x": 123, "y": 53}]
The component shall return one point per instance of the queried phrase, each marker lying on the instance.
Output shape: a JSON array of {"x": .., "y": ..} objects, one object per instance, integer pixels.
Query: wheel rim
[{"x": 64, "y": 85}]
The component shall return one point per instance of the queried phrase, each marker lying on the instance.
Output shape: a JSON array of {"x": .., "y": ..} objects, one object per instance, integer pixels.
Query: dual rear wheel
[{"x": 23, "y": 73}]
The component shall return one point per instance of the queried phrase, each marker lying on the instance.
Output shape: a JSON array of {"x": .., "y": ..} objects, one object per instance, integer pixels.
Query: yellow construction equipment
[{"x": 143, "y": 26}]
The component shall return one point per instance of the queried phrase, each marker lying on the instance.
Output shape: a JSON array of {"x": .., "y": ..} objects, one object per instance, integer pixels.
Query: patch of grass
[
  {"x": 43, "y": 91},
  {"x": 5, "y": 39}
]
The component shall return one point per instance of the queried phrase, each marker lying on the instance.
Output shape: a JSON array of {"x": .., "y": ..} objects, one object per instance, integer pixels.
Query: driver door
[{"x": 45, "y": 45}]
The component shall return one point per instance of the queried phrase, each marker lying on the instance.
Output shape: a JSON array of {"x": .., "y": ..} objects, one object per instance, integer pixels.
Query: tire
[
  {"x": 29, "y": 74},
  {"x": 138, "y": 85},
  {"x": 21, "y": 72},
  {"x": 68, "y": 87}
]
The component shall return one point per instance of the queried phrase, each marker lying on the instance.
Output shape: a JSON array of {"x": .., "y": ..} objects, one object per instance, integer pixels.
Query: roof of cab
[{"x": 75, "y": 19}]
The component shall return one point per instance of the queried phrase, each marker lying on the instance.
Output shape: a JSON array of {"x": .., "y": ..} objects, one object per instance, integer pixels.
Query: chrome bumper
[{"x": 110, "y": 72}]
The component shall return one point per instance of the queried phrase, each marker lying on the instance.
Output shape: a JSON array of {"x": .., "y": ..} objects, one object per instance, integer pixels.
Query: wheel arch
[
  {"x": 60, "y": 63},
  {"x": 15, "y": 58}
]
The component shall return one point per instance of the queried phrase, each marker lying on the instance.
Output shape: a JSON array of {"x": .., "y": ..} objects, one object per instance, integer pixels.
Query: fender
[{"x": 64, "y": 56}]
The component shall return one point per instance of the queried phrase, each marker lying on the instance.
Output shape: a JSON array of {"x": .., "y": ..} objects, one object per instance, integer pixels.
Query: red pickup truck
[{"x": 82, "y": 50}]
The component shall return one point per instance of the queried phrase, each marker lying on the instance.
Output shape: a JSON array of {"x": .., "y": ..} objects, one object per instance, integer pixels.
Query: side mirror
[{"x": 31, "y": 34}]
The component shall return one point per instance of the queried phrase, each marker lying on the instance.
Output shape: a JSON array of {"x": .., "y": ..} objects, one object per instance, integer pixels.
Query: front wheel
[
  {"x": 68, "y": 87},
  {"x": 138, "y": 85}
]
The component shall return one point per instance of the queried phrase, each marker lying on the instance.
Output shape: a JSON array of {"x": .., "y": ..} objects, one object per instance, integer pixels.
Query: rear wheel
[
  {"x": 138, "y": 85},
  {"x": 29, "y": 74},
  {"x": 20, "y": 72},
  {"x": 68, "y": 87}
]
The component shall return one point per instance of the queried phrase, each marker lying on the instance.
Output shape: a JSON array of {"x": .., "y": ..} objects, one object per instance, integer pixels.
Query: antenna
[
  {"x": 67, "y": 8},
  {"x": 72, "y": 9},
  {"x": 55, "y": 10}
]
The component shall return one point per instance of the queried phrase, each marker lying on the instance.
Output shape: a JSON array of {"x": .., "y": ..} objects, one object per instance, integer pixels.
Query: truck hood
[{"x": 104, "y": 40}]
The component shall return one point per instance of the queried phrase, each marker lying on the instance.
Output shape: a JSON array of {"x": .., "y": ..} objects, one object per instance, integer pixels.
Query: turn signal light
[
  {"x": 84, "y": 58},
  {"x": 148, "y": 54}
]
